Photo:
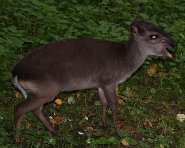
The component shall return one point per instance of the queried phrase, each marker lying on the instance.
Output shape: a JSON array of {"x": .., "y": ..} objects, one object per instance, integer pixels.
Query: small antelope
[{"x": 75, "y": 64}]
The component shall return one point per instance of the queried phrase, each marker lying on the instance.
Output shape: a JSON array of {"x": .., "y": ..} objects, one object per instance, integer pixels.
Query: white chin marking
[{"x": 169, "y": 55}]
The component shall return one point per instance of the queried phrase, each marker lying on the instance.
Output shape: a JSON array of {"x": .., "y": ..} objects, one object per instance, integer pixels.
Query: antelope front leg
[{"x": 110, "y": 95}]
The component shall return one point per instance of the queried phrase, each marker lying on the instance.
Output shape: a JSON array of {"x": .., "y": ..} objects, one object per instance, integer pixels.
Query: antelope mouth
[
  {"x": 167, "y": 44},
  {"x": 165, "y": 51}
]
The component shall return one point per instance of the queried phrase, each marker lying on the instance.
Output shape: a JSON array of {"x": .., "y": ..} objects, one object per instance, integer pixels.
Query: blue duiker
[{"x": 76, "y": 64}]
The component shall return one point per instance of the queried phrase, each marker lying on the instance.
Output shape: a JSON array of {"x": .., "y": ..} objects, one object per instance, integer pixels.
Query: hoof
[
  {"x": 104, "y": 127},
  {"x": 105, "y": 124},
  {"x": 54, "y": 131},
  {"x": 118, "y": 125}
]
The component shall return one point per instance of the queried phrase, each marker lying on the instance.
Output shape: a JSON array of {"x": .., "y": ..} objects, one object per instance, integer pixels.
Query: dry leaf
[
  {"x": 124, "y": 142},
  {"x": 89, "y": 129},
  {"x": 120, "y": 102},
  {"x": 131, "y": 90},
  {"x": 148, "y": 123},
  {"x": 18, "y": 95},
  {"x": 78, "y": 95},
  {"x": 180, "y": 117},
  {"x": 71, "y": 100},
  {"x": 27, "y": 124},
  {"x": 92, "y": 131},
  {"x": 161, "y": 146},
  {"x": 152, "y": 70},
  {"x": 57, "y": 120},
  {"x": 86, "y": 118},
  {"x": 58, "y": 101},
  {"x": 164, "y": 74},
  {"x": 80, "y": 133}
]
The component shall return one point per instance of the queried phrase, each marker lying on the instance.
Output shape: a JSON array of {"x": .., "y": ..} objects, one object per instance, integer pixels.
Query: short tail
[{"x": 19, "y": 87}]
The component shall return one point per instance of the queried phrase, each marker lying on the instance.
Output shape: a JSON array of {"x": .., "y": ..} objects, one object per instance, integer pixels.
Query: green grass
[{"x": 148, "y": 105}]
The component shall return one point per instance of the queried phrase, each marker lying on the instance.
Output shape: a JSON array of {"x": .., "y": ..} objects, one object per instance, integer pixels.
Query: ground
[{"x": 148, "y": 102}]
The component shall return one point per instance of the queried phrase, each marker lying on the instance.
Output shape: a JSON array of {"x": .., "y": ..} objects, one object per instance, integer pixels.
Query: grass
[{"x": 147, "y": 105}]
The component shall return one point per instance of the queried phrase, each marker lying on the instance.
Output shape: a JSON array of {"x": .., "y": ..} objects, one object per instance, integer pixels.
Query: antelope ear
[{"x": 136, "y": 29}]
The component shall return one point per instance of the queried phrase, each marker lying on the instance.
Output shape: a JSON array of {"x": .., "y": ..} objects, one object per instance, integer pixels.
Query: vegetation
[{"x": 147, "y": 103}]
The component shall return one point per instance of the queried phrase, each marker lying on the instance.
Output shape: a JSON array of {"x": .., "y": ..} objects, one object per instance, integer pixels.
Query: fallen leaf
[
  {"x": 131, "y": 90},
  {"x": 58, "y": 101},
  {"x": 120, "y": 102},
  {"x": 89, "y": 131},
  {"x": 71, "y": 100},
  {"x": 97, "y": 103},
  {"x": 128, "y": 92},
  {"x": 92, "y": 131},
  {"x": 161, "y": 146},
  {"x": 180, "y": 117},
  {"x": 86, "y": 118},
  {"x": 164, "y": 74},
  {"x": 27, "y": 124},
  {"x": 124, "y": 142},
  {"x": 57, "y": 120},
  {"x": 152, "y": 69},
  {"x": 78, "y": 95},
  {"x": 148, "y": 123},
  {"x": 98, "y": 132},
  {"x": 18, "y": 95},
  {"x": 80, "y": 133}
]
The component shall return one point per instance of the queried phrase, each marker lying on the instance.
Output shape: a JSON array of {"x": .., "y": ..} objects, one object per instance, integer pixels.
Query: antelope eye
[{"x": 154, "y": 36}]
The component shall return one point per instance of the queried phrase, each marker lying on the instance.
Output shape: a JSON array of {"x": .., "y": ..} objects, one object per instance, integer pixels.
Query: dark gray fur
[{"x": 76, "y": 64}]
